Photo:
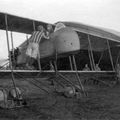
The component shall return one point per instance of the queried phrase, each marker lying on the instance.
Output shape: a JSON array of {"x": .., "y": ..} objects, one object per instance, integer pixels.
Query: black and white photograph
[{"x": 59, "y": 59}]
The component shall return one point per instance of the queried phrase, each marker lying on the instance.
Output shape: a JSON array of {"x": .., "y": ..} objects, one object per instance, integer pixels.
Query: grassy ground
[{"x": 102, "y": 103}]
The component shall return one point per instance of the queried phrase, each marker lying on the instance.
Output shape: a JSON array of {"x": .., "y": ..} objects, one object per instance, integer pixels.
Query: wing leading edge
[{"x": 19, "y": 24}]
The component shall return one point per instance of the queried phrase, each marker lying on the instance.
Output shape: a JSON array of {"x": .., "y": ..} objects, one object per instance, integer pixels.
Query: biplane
[{"x": 68, "y": 49}]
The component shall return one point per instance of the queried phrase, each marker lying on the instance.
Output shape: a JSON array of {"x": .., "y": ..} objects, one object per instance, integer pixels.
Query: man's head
[
  {"x": 49, "y": 28},
  {"x": 86, "y": 65},
  {"x": 40, "y": 28}
]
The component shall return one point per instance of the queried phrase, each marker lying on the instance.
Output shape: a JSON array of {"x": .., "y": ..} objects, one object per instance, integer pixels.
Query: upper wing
[
  {"x": 19, "y": 24},
  {"x": 95, "y": 31}
]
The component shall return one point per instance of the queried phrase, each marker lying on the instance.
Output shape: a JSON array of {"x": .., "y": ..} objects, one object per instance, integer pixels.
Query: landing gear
[{"x": 9, "y": 99}]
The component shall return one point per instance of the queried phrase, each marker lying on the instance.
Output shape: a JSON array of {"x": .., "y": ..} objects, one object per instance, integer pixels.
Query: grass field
[{"x": 102, "y": 103}]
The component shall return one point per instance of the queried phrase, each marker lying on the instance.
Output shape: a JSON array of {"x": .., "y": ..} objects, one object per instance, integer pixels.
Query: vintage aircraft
[
  {"x": 69, "y": 49},
  {"x": 92, "y": 39}
]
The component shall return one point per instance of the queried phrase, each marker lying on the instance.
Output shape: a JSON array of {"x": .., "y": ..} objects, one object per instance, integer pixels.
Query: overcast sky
[{"x": 101, "y": 13}]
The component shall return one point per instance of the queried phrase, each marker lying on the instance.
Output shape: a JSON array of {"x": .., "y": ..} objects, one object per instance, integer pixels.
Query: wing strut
[
  {"x": 110, "y": 55},
  {"x": 70, "y": 59},
  {"x": 91, "y": 53},
  {"x": 12, "y": 49},
  {"x": 10, "y": 62},
  {"x": 77, "y": 75}
]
